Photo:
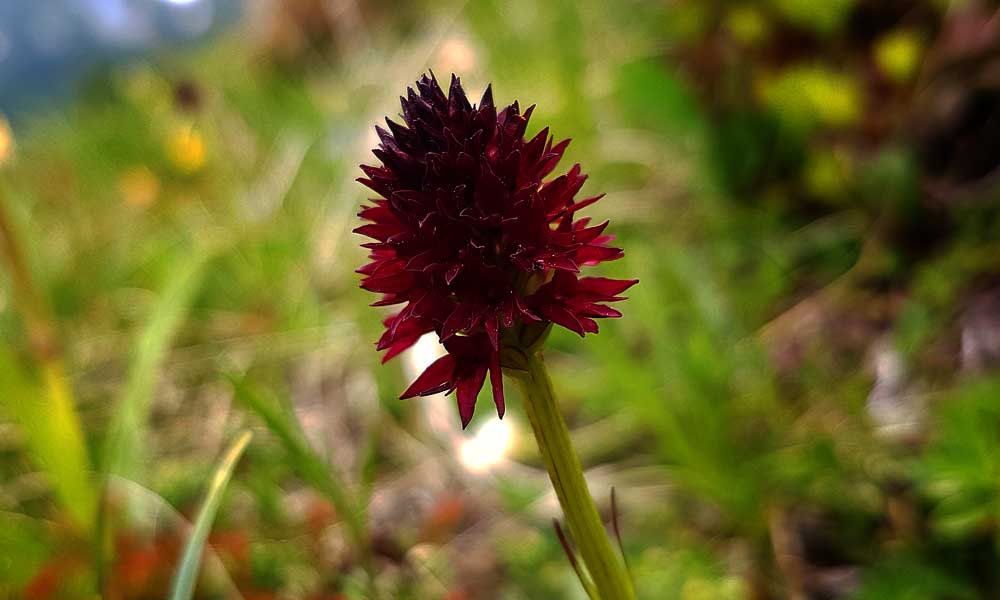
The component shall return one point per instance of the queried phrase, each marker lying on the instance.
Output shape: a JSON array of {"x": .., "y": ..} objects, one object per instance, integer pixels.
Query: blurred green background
[{"x": 801, "y": 402}]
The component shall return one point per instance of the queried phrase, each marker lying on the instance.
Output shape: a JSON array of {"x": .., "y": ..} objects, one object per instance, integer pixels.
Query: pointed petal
[
  {"x": 435, "y": 379},
  {"x": 456, "y": 321},
  {"x": 603, "y": 286},
  {"x": 492, "y": 326},
  {"x": 589, "y": 309},
  {"x": 399, "y": 346},
  {"x": 487, "y": 100},
  {"x": 378, "y": 231},
  {"x": 565, "y": 317},
  {"x": 496, "y": 382},
  {"x": 468, "y": 390},
  {"x": 507, "y": 313},
  {"x": 563, "y": 263},
  {"x": 597, "y": 254}
]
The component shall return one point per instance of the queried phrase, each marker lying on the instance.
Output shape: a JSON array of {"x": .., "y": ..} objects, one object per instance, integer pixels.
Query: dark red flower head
[{"x": 472, "y": 241}]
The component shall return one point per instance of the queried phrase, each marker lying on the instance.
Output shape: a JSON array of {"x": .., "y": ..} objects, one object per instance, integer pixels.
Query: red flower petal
[
  {"x": 434, "y": 380},
  {"x": 380, "y": 232},
  {"x": 603, "y": 286},
  {"x": 565, "y": 317},
  {"x": 597, "y": 254},
  {"x": 468, "y": 390},
  {"x": 399, "y": 346},
  {"x": 496, "y": 382},
  {"x": 492, "y": 326}
]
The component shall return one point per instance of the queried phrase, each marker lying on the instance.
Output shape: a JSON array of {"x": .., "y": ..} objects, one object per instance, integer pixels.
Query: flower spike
[{"x": 474, "y": 240}]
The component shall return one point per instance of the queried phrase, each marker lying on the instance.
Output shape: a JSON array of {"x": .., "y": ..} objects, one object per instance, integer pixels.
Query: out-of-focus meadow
[{"x": 801, "y": 401}]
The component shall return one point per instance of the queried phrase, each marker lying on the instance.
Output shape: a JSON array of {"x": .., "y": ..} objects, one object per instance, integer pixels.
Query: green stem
[{"x": 609, "y": 576}]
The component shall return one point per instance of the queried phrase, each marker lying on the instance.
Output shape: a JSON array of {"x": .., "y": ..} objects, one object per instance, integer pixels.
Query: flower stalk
[
  {"x": 476, "y": 243},
  {"x": 609, "y": 579}
]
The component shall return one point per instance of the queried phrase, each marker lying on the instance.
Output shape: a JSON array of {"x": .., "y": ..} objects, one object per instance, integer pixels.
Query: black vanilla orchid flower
[{"x": 474, "y": 241}]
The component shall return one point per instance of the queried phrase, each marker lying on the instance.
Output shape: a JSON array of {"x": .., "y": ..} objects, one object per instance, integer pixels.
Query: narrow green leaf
[
  {"x": 312, "y": 468},
  {"x": 42, "y": 406},
  {"x": 309, "y": 465},
  {"x": 124, "y": 453},
  {"x": 187, "y": 573},
  {"x": 124, "y": 450}
]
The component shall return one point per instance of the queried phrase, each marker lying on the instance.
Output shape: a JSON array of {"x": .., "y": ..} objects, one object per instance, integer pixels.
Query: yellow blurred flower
[
  {"x": 826, "y": 174},
  {"x": 6, "y": 141},
  {"x": 138, "y": 186},
  {"x": 806, "y": 95},
  {"x": 746, "y": 24},
  {"x": 898, "y": 55},
  {"x": 186, "y": 149}
]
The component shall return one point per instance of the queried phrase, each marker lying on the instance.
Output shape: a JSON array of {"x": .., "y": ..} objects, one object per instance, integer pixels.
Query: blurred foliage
[{"x": 800, "y": 402}]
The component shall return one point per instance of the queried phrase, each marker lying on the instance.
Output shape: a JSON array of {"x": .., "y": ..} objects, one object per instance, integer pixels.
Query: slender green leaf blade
[
  {"x": 309, "y": 465},
  {"x": 187, "y": 573},
  {"x": 43, "y": 408},
  {"x": 124, "y": 451}
]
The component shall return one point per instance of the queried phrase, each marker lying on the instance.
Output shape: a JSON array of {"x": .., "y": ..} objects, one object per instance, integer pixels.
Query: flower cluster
[{"x": 472, "y": 241}]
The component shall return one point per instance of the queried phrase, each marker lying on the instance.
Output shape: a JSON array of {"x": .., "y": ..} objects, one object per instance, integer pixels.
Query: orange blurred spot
[
  {"x": 320, "y": 514},
  {"x": 45, "y": 584},
  {"x": 143, "y": 565},
  {"x": 137, "y": 569},
  {"x": 138, "y": 187},
  {"x": 456, "y": 594},
  {"x": 444, "y": 517},
  {"x": 6, "y": 141},
  {"x": 234, "y": 544}
]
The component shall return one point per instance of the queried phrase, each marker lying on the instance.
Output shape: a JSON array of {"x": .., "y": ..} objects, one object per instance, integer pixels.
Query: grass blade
[
  {"x": 42, "y": 403},
  {"x": 310, "y": 466},
  {"x": 187, "y": 572},
  {"x": 43, "y": 408},
  {"x": 124, "y": 449}
]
